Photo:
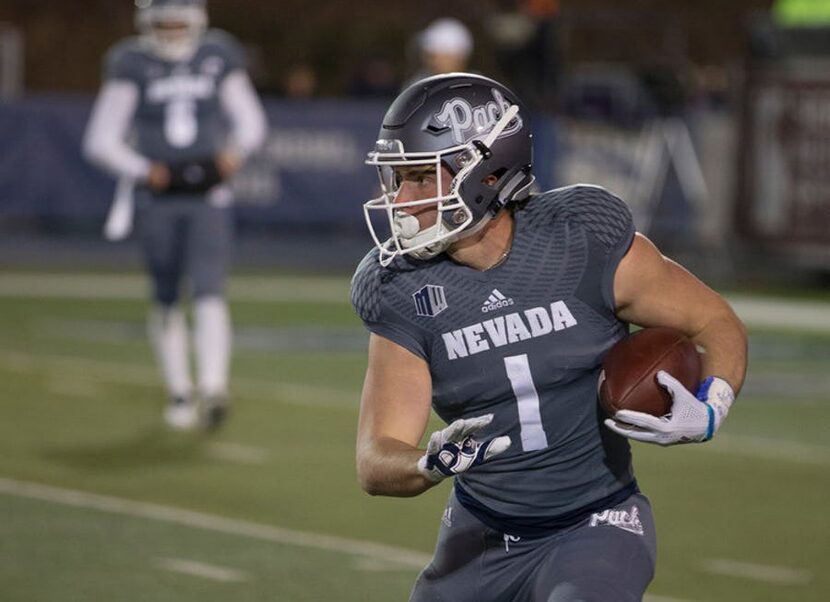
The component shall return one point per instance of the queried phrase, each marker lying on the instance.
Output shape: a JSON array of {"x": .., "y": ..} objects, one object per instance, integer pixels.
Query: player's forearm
[
  {"x": 724, "y": 342},
  {"x": 104, "y": 141},
  {"x": 248, "y": 121},
  {"x": 389, "y": 467},
  {"x": 118, "y": 160}
]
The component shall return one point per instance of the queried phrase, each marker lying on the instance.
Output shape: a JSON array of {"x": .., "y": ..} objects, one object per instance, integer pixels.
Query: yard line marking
[
  {"x": 313, "y": 338},
  {"x": 201, "y": 569},
  {"x": 327, "y": 543},
  {"x": 75, "y": 369},
  {"x": 66, "y": 369},
  {"x": 778, "y": 575},
  {"x": 791, "y": 387},
  {"x": 236, "y": 452},
  {"x": 375, "y": 565},
  {"x": 58, "y": 385},
  {"x": 322, "y": 289},
  {"x": 773, "y": 449}
]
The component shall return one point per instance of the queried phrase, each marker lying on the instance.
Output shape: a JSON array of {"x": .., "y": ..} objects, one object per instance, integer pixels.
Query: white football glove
[
  {"x": 452, "y": 450},
  {"x": 692, "y": 418}
]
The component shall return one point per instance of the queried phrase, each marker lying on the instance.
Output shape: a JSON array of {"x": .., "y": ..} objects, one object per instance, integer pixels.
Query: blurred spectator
[
  {"x": 444, "y": 46},
  {"x": 170, "y": 90},
  {"x": 527, "y": 49},
  {"x": 711, "y": 85},
  {"x": 11, "y": 61},
  {"x": 375, "y": 78},
  {"x": 300, "y": 82},
  {"x": 667, "y": 86}
]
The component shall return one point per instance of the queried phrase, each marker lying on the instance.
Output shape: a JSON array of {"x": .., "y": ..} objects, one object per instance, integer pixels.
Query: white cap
[{"x": 447, "y": 36}]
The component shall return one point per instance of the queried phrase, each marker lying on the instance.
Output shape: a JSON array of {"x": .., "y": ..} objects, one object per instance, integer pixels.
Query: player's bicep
[
  {"x": 397, "y": 394},
  {"x": 111, "y": 114},
  {"x": 242, "y": 106},
  {"x": 105, "y": 140},
  {"x": 652, "y": 290}
]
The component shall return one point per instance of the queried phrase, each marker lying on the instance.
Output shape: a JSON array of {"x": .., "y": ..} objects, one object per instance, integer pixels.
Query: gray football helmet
[
  {"x": 473, "y": 126},
  {"x": 172, "y": 28}
]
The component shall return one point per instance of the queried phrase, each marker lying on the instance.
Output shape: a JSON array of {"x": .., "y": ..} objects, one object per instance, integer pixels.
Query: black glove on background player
[{"x": 193, "y": 177}]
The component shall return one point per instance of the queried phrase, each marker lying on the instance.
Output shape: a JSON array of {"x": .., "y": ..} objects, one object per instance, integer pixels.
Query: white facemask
[
  {"x": 454, "y": 219},
  {"x": 174, "y": 44}
]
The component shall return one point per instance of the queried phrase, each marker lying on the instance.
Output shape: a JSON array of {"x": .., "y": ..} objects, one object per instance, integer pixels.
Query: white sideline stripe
[
  {"x": 201, "y": 569},
  {"x": 813, "y": 316},
  {"x": 134, "y": 286},
  {"x": 327, "y": 543},
  {"x": 778, "y": 575},
  {"x": 236, "y": 452},
  {"x": 68, "y": 368}
]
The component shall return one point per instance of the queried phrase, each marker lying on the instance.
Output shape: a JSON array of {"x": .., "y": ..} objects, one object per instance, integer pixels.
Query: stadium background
[{"x": 707, "y": 117}]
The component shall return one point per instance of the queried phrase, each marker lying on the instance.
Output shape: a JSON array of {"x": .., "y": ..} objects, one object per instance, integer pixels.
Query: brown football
[{"x": 628, "y": 380}]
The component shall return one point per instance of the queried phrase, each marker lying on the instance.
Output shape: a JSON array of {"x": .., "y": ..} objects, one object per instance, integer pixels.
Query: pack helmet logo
[{"x": 467, "y": 121}]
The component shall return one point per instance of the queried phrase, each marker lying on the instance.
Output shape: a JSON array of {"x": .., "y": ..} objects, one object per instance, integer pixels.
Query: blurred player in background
[
  {"x": 496, "y": 307},
  {"x": 176, "y": 117},
  {"x": 444, "y": 46}
]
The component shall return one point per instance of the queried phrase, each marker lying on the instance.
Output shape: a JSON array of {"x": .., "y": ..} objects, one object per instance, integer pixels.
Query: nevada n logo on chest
[
  {"x": 181, "y": 86},
  {"x": 507, "y": 329}
]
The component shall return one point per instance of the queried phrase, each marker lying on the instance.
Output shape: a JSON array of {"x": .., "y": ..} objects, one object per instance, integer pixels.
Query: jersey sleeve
[
  {"x": 368, "y": 296},
  {"x": 229, "y": 48},
  {"x": 122, "y": 62},
  {"x": 608, "y": 221}
]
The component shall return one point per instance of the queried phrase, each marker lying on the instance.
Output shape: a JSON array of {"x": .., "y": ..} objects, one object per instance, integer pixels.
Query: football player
[
  {"x": 176, "y": 117},
  {"x": 495, "y": 305},
  {"x": 445, "y": 46}
]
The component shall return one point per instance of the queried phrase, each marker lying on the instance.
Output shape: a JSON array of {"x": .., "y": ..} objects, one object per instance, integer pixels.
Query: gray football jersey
[
  {"x": 524, "y": 341},
  {"x": 178, "y": 117}
]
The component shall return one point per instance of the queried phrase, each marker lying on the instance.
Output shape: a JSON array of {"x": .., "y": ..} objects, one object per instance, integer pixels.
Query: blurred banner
[
  {"x": 786, "y": 162},
  {"x": 309, "y": 173}
]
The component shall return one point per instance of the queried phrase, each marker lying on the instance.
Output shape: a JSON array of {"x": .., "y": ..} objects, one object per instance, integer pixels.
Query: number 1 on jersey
[
  {"x": 530, "y": 417},
  {"x": 180, "y": 124}
]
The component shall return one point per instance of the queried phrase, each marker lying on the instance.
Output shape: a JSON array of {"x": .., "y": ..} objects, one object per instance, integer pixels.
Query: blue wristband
[
  {"x": 702, "y": 395},
  {"x": 710, "y": 430}
]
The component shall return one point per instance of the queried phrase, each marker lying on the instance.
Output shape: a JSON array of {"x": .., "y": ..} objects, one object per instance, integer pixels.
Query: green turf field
[{"x": 100, "y": 502}]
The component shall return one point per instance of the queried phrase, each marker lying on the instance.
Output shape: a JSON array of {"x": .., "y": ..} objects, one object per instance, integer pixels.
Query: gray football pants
[
  {"x": 186, "y": 236},
  {"x": 604, "y": 558}
]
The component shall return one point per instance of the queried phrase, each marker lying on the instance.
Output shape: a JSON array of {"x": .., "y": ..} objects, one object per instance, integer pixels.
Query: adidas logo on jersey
[
  {"x": 622, "y": 519},
  {"x": 496, "y": 301}
]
